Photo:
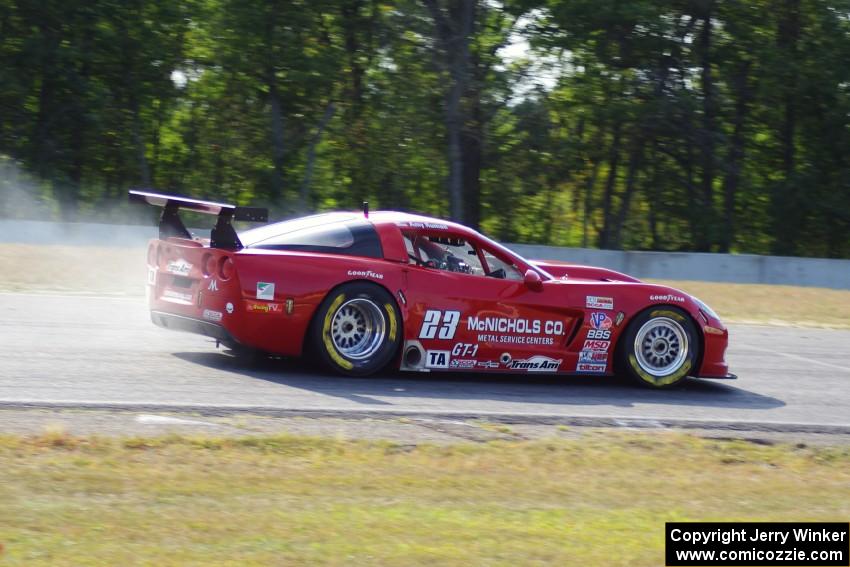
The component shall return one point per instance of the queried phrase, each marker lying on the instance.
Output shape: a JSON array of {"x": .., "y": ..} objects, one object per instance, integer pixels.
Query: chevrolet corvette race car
[{"x": 362, "y": 292}]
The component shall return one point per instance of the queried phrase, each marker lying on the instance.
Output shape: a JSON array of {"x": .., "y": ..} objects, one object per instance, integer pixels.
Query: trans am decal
[{"x": 533, "y": 364}]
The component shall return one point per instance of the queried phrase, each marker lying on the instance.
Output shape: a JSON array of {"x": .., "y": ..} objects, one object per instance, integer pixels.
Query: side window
[
  {"x": 412, "y": 258},
  {"x": 443, "y": 253},
  {"x": 499, "y": 269}
]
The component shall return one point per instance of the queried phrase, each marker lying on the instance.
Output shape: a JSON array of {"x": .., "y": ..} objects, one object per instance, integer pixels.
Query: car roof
[
  {"x": 413, "y": 220},
  {"x": 395, "y": 218},
  {"x": 400, "y": 220}
]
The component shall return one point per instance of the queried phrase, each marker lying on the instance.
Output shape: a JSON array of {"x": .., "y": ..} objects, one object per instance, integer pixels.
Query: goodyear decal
[{"x": 326, "y": 335}]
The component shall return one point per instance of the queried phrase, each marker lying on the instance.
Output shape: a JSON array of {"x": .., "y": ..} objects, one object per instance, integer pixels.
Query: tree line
[{"x": 708, "y": 125}]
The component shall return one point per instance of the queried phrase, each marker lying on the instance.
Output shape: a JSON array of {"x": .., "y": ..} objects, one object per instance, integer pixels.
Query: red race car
[{"x": 362, "y": 292}]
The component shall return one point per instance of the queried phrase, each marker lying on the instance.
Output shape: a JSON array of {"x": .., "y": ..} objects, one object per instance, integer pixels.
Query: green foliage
[{"x": 718, "y": 125}]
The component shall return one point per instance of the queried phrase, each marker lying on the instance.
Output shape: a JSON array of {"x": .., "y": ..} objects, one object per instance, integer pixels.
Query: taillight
[
  {"x": 226, "y": 268},
  {"x": 152, "y": 255},
  {"x": 209, "y": 265}
]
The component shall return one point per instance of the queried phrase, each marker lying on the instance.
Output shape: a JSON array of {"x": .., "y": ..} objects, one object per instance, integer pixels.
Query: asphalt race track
[{"x": 63, "y": 351}]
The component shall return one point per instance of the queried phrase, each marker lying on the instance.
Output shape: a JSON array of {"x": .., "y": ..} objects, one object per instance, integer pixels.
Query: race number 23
[{"x": 439, "y": 324}]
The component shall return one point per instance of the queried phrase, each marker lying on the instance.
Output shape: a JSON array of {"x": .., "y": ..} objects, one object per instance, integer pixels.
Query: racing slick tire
[
  {"x": 660, "y": 347},
  {"x": 357, "y": 329}
]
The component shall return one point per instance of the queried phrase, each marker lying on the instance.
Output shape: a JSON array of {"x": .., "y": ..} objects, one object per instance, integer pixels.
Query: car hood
[{"x": 579, "y": 272}]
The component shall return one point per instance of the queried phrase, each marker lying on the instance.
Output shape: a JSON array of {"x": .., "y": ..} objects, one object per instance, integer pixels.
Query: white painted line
[
  {"x": 797, "y": 357},
  {"x": 167, "y": 420}
]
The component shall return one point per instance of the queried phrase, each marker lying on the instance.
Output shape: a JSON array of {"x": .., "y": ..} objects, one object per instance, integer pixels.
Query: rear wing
[{"x": 223, "y": 234}]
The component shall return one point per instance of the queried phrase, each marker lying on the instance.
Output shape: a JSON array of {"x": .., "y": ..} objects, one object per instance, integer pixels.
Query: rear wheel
[
  {"x": 659, "y": 348},
  {"x": 356, "y": 330}
]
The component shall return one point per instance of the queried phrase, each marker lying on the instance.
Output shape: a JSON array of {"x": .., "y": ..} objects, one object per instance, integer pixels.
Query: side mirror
[{"x": 532, "y": 280}]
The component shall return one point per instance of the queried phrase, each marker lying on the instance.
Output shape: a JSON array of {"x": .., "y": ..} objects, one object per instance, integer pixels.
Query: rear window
[
  {"x": 332, "y": 236},
  {"x": 349, "y": 237}
]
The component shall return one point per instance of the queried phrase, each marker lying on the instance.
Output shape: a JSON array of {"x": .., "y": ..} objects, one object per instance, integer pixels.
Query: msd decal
[{"x": 592, "y": 344}]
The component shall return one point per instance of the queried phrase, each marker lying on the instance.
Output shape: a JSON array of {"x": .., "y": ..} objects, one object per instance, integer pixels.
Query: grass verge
[
  {"x": 600, "y": 499},
  {"x": 773, "y": 304},
  {"x": 121, "y": 271}
]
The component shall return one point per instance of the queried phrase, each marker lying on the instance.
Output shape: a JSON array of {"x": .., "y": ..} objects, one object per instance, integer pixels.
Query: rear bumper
[{"x": 191, "y": 325}]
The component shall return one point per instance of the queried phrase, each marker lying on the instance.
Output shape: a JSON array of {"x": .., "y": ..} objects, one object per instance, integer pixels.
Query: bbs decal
[{"x": 439, "y": 324}]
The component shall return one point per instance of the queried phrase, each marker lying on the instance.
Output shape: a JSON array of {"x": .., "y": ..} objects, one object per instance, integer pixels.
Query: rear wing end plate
[{"x": 223, "y": 234}]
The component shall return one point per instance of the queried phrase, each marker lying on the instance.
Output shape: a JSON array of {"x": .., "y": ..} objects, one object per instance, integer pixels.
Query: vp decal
[{"x": 600, "y": 326}]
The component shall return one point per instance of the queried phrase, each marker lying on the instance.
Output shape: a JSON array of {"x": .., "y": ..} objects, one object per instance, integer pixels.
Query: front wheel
[
  {"x": 659, "y": 348},
  {"x": 356, "y": 330}
]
